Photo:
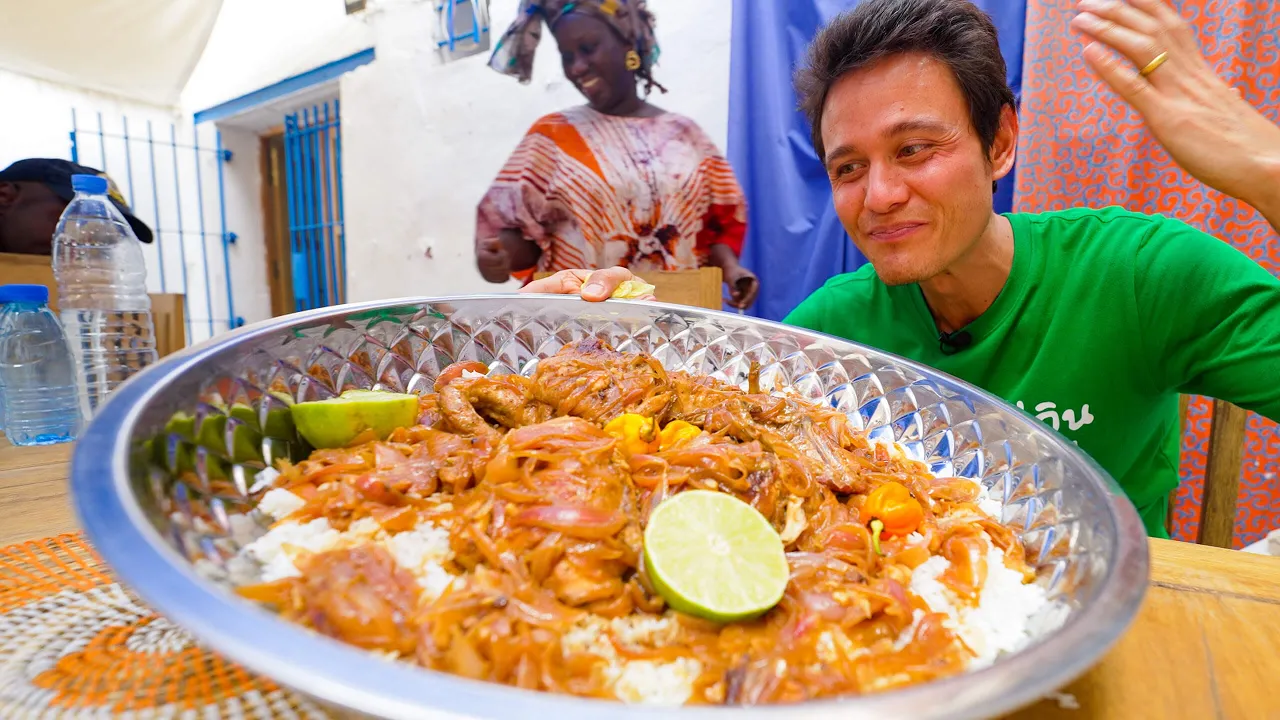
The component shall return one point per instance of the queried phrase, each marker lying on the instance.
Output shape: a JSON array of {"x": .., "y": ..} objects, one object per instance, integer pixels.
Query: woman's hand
[
  {"x": 493, "y": 260},
  {"x": 743, "y": 286},
  {"x": 591, "y": 285},
  {"x": 1201, "y": 121},
  {"x": 498, "y": 257}
]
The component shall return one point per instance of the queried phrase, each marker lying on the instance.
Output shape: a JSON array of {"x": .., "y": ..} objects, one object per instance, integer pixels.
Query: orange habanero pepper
[
  {"x": 677, "y": 432},
  {"x": 890, "y": 510},
  {"x": 635, "y": 433}
]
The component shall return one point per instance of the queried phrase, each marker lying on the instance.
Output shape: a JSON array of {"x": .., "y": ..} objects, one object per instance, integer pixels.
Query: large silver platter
[{"x": 169, "y": 538}]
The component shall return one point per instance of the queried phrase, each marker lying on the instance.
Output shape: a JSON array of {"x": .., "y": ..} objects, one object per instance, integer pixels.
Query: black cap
[{"x": 56, "y": 175}]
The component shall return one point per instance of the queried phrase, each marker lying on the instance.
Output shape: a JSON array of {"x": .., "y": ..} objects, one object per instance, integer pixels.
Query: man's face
[
  {"x": 909, "y": 178},
  {"x": 29, "y": 213}
]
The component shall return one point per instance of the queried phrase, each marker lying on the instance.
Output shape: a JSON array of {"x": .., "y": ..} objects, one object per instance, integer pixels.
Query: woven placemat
[{"x": 75, "y": 644}]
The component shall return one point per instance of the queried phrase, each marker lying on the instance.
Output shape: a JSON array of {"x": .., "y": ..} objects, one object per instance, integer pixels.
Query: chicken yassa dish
[{"x": 502, "y": 538}]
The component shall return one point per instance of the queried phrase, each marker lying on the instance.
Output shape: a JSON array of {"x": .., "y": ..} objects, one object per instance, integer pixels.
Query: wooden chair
[
  {"x": 167, "y": 313},
  {"x": 27, "y": 270},
  {"x": 166, "y": 308},
  {"x": 1223, "y": 467},
  {"x": 696, "y": 288}
]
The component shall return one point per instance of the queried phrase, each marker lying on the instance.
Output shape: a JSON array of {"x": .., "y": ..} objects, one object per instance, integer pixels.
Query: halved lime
[
  {"x": 336, "y": 422},
  {"x": 711, "y": 555}
]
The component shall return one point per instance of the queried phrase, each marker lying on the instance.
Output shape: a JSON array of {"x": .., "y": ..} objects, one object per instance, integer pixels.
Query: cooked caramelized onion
[{"x": 580, "y": 522}]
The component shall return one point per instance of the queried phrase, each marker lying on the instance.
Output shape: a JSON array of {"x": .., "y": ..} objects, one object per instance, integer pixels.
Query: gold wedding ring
[{"x": 1154, "y": 64}]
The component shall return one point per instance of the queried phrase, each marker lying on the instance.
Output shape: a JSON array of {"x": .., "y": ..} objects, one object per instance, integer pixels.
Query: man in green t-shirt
[{"x": 1091, "y": 320}]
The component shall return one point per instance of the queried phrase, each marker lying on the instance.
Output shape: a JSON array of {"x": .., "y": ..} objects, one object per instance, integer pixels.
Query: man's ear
[{"x": 1005, "y": 147}]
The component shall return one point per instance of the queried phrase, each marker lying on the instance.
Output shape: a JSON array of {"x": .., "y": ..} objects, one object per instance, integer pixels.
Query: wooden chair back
[
  {"x": 1223, "y": 467},
  {"x": 168, "y": 313},
  {"x": 700, "y": 288},
  {"x": 167, "y": 309}
]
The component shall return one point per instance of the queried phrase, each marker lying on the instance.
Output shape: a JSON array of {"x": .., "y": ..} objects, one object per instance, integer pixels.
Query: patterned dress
[{"x": 594, "y": 190}]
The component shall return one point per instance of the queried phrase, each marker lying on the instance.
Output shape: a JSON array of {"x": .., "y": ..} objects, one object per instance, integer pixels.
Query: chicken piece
[
  {"x": 461, "y": 416},
  {"x": 359, "y": 596},
  {"x": 505, "y": 400},
  {"x": 596, "y": 383},
  {"x": 577, "y": 582}
]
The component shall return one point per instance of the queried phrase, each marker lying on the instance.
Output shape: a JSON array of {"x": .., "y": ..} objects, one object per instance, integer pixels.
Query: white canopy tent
[{"x": 143, "y": 50}]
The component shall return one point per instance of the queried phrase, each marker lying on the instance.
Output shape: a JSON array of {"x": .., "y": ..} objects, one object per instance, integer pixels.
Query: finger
[
  {"x": 601, "y": 284},
  {"x": 744, "y": 292},
  {"x": 1139, "y": 48},
  {"x": 1122, "y": 77},
  {"x": 1162, "y": 12},
  {"x": 1123, "y": 15},
  {"x": 565, "y": 282},
  {"x": 1176, "y": 31},
  {"x": 492, "y": 253}
]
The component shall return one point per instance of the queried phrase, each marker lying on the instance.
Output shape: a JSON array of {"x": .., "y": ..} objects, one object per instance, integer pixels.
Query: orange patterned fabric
[
  {"x": 74, "y": 643},
  {"x": 594, "y": 190}
]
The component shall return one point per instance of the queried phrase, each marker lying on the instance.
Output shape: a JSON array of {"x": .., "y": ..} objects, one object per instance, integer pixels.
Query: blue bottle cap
[
  {"x": 91, "y": 184},
  {"x": 24, "y": 294}
]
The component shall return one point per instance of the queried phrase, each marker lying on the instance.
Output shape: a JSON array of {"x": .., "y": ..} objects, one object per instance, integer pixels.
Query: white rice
[
  {"x": 276, "y": 550},
  {"x": 422, "y": 551},
  {"x": 279, "y": 503},
  {"x": 636, "y": 681},
  {"x": 1000, "y": 623},
  {"x": 988, "y": 503}
]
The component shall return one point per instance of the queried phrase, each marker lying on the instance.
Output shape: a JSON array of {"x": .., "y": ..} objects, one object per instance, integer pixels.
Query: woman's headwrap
[{"x": 629, "y": 18}]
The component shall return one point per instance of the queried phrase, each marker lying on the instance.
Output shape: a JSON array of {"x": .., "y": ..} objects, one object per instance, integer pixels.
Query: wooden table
[{"x": 1206, "y": 643}]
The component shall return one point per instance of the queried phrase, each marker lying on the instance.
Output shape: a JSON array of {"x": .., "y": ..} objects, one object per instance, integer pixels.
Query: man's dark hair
[{"x": 954, "y": 31}]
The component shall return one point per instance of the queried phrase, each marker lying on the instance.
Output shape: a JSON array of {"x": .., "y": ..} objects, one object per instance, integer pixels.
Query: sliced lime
[
  {"x": 336, "y": 422},
  {"x": 711, "y": 555}
]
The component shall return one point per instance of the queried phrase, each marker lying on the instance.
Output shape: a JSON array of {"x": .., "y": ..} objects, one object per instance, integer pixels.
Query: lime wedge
[
  {"x": 711, "y": 555},
  {"x": 335, "y": 422}
]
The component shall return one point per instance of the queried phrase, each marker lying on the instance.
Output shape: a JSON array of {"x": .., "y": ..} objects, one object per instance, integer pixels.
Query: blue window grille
[
  {"x": 173, "y": 180},
  {"x": 313, "y": 179},
  {"x": 464, "y": 24}
]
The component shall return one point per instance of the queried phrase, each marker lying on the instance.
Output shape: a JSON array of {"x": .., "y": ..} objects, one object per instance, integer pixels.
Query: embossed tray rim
[{"x": 350, "y": 678}]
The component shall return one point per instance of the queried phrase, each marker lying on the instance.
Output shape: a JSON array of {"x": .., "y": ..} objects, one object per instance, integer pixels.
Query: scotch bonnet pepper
[{"x": 891, "y": 511}]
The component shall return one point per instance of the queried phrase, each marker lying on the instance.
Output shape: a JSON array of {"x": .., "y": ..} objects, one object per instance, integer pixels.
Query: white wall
[
  {"x": 422, "y": 140},
  {"x": 256, "y": 43},
  {"x": 35, "y": 116}
]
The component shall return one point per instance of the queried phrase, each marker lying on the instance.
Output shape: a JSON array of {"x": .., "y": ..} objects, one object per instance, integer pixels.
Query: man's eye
[{"x": 910, "y": 150}]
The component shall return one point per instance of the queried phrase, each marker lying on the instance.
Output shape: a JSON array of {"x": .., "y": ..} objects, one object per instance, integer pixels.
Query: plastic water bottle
[
  {"x": 102, "y": 291},
  {"x": 2, "y": 304},
  {"x": 36, "y": 370}
]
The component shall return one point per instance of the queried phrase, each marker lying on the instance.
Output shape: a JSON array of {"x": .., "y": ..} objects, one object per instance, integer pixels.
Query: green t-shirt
[{"x": 1106, "y": 317}]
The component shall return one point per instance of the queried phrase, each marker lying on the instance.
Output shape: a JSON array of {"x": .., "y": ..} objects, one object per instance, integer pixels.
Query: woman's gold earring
[{"x": 633, "y": 60}]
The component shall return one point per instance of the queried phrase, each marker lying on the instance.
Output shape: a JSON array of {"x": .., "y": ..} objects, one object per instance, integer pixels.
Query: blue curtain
[{"x": 794, "y": 240}]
